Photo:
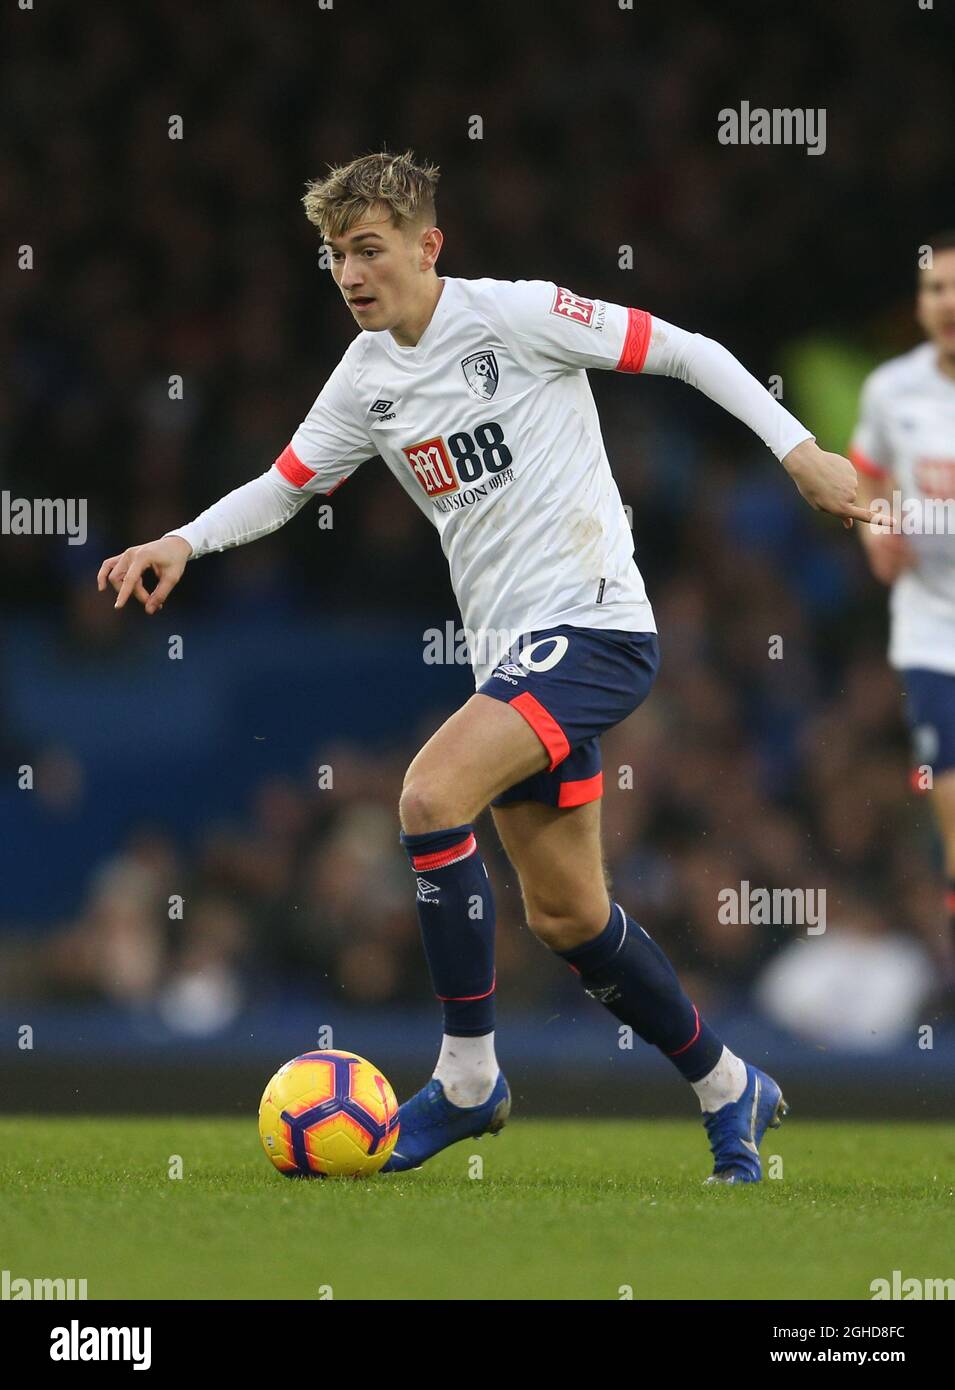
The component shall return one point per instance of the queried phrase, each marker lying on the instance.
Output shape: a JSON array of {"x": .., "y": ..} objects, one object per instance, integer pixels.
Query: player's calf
[{"x": 625, "y": 970}]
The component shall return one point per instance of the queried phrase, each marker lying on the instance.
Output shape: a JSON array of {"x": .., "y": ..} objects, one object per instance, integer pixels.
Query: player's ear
[{"x": 432, "y": 239}]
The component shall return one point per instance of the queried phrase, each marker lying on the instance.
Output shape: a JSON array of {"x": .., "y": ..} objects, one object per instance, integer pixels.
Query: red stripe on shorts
[
  {"x": 582, "y": 791},
  {"x": 545, "y": 726}
]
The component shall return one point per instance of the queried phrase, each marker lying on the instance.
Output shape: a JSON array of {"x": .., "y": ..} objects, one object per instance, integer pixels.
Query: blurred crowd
[
  {"x": 156, "y": 258},
  {"x": 771, "y": 752}
]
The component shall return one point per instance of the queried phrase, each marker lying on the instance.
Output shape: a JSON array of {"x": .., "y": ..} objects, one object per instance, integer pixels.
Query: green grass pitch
[{"x": 565, "y": 1209}]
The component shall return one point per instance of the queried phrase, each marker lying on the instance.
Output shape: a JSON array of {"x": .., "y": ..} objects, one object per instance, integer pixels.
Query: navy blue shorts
[
  {"x": 930, "y": 712},
  {"x": 572, "y": 684}
]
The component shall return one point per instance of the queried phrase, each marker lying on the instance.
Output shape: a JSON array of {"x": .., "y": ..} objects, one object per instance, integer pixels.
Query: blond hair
[{"x": 338, "y": 202}]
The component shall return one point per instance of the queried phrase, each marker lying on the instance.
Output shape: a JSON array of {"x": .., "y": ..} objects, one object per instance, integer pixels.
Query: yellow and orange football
[{"x": 328, "y": 1115}]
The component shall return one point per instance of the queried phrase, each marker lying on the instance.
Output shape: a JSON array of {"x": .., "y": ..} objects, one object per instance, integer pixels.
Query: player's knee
[{"x": 424, "y": 806}]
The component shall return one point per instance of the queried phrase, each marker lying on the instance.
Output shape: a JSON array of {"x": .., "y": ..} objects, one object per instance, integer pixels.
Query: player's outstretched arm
[
  {"x": 828, "y": 482},
  {"x": 253, "y": 510},
  {"x": 556, "y": 330}
]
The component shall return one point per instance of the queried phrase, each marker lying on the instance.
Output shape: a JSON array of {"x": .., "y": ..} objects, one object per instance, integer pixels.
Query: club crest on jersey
[
  {"x": 572, "y": 306},
  {"x": 481, "y": 374},
  {"x": 431, "y": 466}
]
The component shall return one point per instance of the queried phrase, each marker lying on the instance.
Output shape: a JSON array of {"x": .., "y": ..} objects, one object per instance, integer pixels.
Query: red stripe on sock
[
  {"x": 692, "y": 1040},
  {"x": 461, "y": 998},
  {"x": 442, "y": 857}
]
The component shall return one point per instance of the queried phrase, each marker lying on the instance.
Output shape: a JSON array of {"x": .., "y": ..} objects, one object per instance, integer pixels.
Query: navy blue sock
[
  {"x": 456, "y": 913},
  {"x": 625, "y": 970}
]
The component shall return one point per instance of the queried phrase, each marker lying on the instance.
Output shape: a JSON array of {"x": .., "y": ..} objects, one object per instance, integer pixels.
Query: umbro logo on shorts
[{"x": 507, "y": 670}]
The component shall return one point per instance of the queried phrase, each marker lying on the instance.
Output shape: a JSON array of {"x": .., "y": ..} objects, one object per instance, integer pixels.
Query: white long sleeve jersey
[
  {"x": 490, "y": 426},
  {"x": 905, "y": 438}
]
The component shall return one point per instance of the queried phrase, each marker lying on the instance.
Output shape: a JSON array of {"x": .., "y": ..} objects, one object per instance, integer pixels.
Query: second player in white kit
[
  {"x": 904, "y": 449},
  {"x": 905, "y": 442}
]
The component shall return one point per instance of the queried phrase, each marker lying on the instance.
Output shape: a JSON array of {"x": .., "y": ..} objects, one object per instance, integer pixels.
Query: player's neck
[
  {"x": 409, "y": 332},
  {"x": 946, "y": 365}
]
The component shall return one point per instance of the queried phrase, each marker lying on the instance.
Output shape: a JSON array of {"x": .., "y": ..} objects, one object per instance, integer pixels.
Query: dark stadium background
[{"x": 199, "y": 777}]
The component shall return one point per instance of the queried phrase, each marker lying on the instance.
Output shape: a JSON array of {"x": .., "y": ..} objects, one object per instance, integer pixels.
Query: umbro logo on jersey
[
  {"x": 481, "y": 374},
  {"x": 380, "y": 407},
  {"x": 427, "y": 891}
]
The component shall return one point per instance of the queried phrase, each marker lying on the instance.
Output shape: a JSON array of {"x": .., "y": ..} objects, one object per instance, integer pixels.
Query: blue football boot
[
  {"x": 736, "y": 1129},
  {"x": 429, "y": 1123}
]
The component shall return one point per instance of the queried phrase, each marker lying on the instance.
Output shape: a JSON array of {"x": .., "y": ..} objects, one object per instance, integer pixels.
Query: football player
[{"x": 474, "y": 394}]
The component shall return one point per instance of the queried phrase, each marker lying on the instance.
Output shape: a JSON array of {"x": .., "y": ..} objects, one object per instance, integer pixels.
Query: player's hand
[
  {"x": 828, "y": 482},
  {"x": 167, "y": 560},
  {"x": 888, "y": 552}
]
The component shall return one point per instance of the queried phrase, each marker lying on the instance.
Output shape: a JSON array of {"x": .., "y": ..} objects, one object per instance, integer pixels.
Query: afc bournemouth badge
[{"x": 481, "y": 374}]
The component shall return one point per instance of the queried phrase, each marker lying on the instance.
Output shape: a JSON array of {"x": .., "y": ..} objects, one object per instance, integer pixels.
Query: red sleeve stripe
[
  {"x": 637, "y": 341},
  {"x": 292, "y": 468},
  {"x": 864, "y": 464},
  {"x": 545, "y": 726},
  {"x": 581, "y": 791}
]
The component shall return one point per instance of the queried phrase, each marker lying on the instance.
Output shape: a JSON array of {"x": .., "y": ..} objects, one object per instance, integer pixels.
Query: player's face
[
  {"x": 377, "y": 267},
  {"x": 936, "y": 302}
]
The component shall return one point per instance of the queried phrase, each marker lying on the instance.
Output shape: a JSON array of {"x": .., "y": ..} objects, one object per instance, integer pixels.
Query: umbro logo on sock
[
  {"x": 604, "y": 994},
  {"x": 427, "y": 891}
]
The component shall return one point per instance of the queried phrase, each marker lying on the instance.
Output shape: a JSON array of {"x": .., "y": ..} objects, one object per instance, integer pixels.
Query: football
[{"x": 328, "y": 1115}]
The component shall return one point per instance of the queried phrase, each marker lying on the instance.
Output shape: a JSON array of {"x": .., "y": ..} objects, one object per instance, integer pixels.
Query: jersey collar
[{"x": 428, "y": 337}]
